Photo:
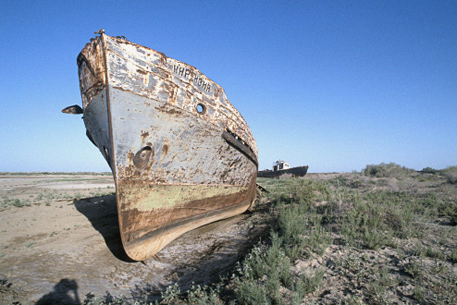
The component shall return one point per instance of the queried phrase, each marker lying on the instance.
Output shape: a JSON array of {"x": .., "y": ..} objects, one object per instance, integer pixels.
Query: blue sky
[{"x": 335, "y": 85}]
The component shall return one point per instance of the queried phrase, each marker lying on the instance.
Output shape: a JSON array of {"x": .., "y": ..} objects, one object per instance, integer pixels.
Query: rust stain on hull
[{"x": 182, "y": 156}]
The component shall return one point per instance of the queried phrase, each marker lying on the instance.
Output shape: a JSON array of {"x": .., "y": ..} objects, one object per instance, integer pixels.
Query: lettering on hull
[{"x": 186, "y": 73}]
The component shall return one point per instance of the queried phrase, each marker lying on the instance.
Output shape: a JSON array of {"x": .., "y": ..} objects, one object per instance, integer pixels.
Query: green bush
[
  {"x": 452, "y": 213},
  {"x": 429, "y": 170},
  {"x": 448, "y": 208},
  {"x": 450, "y": 173},
  {"x": 250, "y": 292},
  {"x": 390, "y": 170}
]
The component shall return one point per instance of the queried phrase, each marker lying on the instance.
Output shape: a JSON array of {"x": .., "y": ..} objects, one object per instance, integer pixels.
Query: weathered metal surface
[{"x": 182, "y": 156}]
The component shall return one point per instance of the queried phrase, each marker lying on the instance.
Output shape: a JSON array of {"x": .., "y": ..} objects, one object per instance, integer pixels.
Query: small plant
[
  {"x": 352, "y": 300},
  {"x": 250, "y": 292},
  {"x": 453, "y": 256},
  {"x": 432, "y": 253},
  {"x": 452, "y": 213},
  {"x": 375, "y": 239},
  {"x": 14, "y": 202},
  {"x": 386, "y": 278},
  {"x": 203, "y": 296},
  {"x": 439, "y": 267},
  {"x": 414, "y": 269},
  {"x": 418, "y": 293},
  {"x": 309, "y": 283},
  {"x": 377, "y": 294},
  {"x": 419, "y": 250},
  {"x": 171, "y": 294}
]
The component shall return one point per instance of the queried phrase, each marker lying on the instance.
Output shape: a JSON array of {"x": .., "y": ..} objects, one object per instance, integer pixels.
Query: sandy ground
[{"x": 64, "y": 244}]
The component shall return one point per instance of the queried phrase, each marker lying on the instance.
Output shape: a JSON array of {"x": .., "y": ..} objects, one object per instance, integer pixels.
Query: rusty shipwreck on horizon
[{"x": 181, "y": 155}]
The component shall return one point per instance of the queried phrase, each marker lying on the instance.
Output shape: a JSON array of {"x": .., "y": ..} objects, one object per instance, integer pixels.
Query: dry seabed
[
  {"x": 385, "y": 235},
  {"x": 61, "y": 242}
]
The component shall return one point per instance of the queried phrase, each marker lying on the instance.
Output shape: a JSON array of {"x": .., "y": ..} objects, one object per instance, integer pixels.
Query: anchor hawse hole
[{"x": 142, "y": 157}]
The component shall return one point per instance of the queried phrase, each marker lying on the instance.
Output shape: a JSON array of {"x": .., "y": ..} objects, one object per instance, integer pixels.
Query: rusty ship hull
[{"x": 181, "y": 155}]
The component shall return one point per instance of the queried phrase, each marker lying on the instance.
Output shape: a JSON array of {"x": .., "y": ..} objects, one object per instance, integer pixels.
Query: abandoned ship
[
  {"x": 181, "y": 155},
  {"x": 280, "y": 168}
]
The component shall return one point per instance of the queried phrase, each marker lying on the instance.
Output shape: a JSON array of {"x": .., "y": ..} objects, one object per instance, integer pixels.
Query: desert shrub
[
  {"x": 269, "y": 261},
  {"x": 171, "y": 294},
  {"x": 377, "y": 294},
  {"x": 451, "y": 212},
  {"x": 203, "y": 296},
  {"x": 448, "y": 208},
  {"x": 250, "y": 292},
  {"x": 375, "y": 238},
  {"x": 14, "y": 202},
  {"x": 300, "y": 229},
  {"x": 291, "y": 225},
  {"x": 450, "y": 173},
  {"x": 418, "y": 293},
  {"x": 297, "y": 229},
  {"x": 366, "y": 229},
  {"x": 264, "y": 271},
  {"x": 292, "y": 190},
  {"x": 429, "y": 170},
  {"x": 453, "y": 256},
  {"x": 384, "y": 170},
  {"x": 414, "y": 268},
  {"x": 307, "y": 283},
  {"x": 339, "y": 181},
  {"x": 303, "y": 191},
  {"x": 375, "y": 218}
]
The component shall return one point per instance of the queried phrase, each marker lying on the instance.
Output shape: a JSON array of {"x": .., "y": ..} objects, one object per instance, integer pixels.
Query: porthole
[
  {"x": 142, "y": 157},
  {"x": 201, "y": 109}
]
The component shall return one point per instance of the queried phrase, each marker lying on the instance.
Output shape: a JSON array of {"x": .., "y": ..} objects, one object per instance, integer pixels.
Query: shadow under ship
[{"x": 181, "y": 155}]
